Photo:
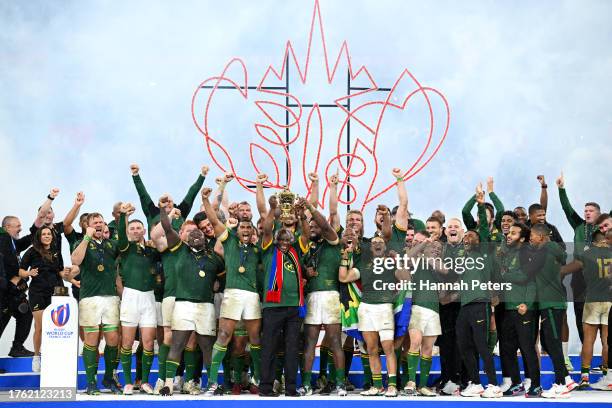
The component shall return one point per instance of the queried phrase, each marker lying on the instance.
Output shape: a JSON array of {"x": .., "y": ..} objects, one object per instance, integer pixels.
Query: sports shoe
[
  {"x": 372, "y": 392},
  {"x": 514, "y": 390},
  {"x": 327, "y": 390},
  {"x": 159, "y": 384},
  {"x": 188, "y": 387},
  {"x": 253, "y": 389},
  {"x": 450, "y": 388},
  {"x": 506, "y": 384},
  {"x": 568, "y": 365},
  {"x": 277, "y": 387},
  {"x": 128, "y": 389},
  {"x": 604, "y": 383},
  {"x": 410, "y": 388},
  {"x": 349, "y": 386},
  {"x": 390, "y": 393},
  {"x": 178, "y": 383},
  {"x": 212, "y": 390},
  {"x": 527, "y": 383},
  {"x": 111, "y": 385},
  {"x": 597, "y": 370},
  {"x": 236, "y": 389},
  {"x": 305, "y": 391},
  {"x": 137, "y": 383},
  {"x": 36, "y": 364},
  {"x": 166, "y": 391},
  {"x": 426, "y": 392},
  {"x": 584, "y": 382},
  {"x": 556, "y": 391},
  {"x": 341, "y": 390},
  {"x": 321, "y": 382},
  {"x": 92, "y": 389},
  {"x": 534, "y": 392},
  {"x": 492, "y": 391},
  {"x": 145, "y": 388},
  {"x": 472, "y": 390},
  {"x": 20, "y": 351},
  {"x": 570, "y": 384}
]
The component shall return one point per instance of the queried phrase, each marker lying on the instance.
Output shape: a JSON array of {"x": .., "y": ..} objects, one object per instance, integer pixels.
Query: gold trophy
[{"x": 285, "y": 200}]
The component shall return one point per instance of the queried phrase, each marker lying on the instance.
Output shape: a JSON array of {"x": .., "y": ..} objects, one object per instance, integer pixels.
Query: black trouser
[
  {"x": 519, "y": 334},
  {"x": 550, "y": 336},
  {"x": 499, "y": 321},
  {"x": 275, "y": 320},
  {"x": 23, "y": 321},
  {"x": 472, "y": 333},
  {"x": 450, "y": 358},
  {"x": 578, "y": 286}
]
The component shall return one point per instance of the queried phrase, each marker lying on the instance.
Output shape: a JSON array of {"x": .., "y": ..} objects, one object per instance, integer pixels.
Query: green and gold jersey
[
  {"x": 98, "y": 269},
  {"x": 169, "y": 265},
  {"x": 241, "y": 262},
  {"x": 597, "y": 264},
  {"x": 137, "y": 266},
  {"x": 425, "y": 293},
  {"x": 196, "y": 272},
  {"x": 324, "y": 257},
  {"x": 375, "y": 280},
  {"x": 290, "y": 294}
]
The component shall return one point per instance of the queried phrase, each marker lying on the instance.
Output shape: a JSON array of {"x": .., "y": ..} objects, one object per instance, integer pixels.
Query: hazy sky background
[{"x": 86, "y": 88}]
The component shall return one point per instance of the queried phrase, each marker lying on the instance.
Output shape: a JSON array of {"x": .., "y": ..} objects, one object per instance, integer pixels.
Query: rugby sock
[
  {"x": 226, "y": 363},
  {"x": 90, "y": 358},
  {"x": 171, "y": 367},
  {"x": 377, "y": 380},
  {"x": 392, "y": 381},
  {"x": 218, "y": 353},
  {"x": 367, "y": 372},
  {"x": 404, "y": 363},
  {"x": 190, "y": 358},
  {"x": 307, "y": 378},
  {"x": 565, "y": 346},
  {"x": 147, "y": 362},
  {"x": 425, "y": 367},
  {"x": 584, "y": 371},
  {"x": 492, "y": 340},
  {"x": 340, "y": 377},
  {"x": 126, "y": 364},
  {"x": 110, "y": 354},
  {"x": 323, "y": 361},
  {"x": 237, "y": 363},
  {"x": 413, "y": 362},
  {"x": 331, "y": 367},
  {"x": 139, "y": 363},
  {"x": 164, "y": 349},
  {"x": 256, "y": 361}
]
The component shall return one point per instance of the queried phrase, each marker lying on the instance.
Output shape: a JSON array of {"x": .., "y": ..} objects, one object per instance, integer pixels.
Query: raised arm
[
  {"x": 268, "y": 222},
  {"x": 334, "y": 217},
  {"x": 158, "y": 237},
  {"x": 572, "y": 216},
  {"x": 187, "y": 204},
  {"x": 79, "y": 252},
  {"x": 172, "y": 237},
  {"x": 327, "y": 232},
  {"x": 347, "y": 273},
  {"x": 73, "y": 213},
  {"x": 220, "y": 195},
  {"x": 401, "y": 217},
  {"x": 466, "y": 213},
  {"x": 300, "y": 208},
  {"x": 148, "y": 206},
  {"x": 260, "y": 198},
  {"x": 386, "y": 224},
  {"x": 211, "y": 213},
  {"x": 483, "y": 227},
  {"x": 44, "y": 208},
  {"x": 499, "y": 207},
  {"x": 124, "y": 242},
  {"x": 314, "y": 189},
  {"x": 543, "y": 192}
]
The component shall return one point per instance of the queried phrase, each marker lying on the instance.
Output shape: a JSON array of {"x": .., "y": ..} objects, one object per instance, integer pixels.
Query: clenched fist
[
  {"x": 135, "y": 169},
  {"x": 206, "y": 193}
]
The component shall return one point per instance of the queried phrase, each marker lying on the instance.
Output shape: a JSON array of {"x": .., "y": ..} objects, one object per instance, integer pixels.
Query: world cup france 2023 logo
[
  {"x": 278, "y": 122},
  {"x": 60, "y": 315}
]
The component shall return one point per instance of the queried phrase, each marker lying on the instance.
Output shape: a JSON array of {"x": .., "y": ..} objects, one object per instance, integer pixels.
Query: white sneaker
[
  {"x": 472, "y": 390},
  {"x": 178, "y": 383},
  {"x": 373, "y": 392},
  {"x": 146, "y": 388},
  {"x": 492, "y": 391},
  {"x": 570, "y": 384},
  {"x": 159, "y": 384},
  {"x": 604, "y": 383},
  {"x": 128, "y": 389},
  {"x": 450, "y": 388},
  {"x": 36, "y": 364},
  {"x": 527, "y": 383},
  {"x": 212, "y": 389},
  {"x": 189, "y": 387},
  {"x": 391, "y": 392},
  {"x": 557, "y": 391},
  {"x": 506, "y": 384}
]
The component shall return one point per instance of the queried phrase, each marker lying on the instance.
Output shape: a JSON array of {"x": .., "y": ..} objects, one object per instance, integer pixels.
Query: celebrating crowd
[{"x": 222, "y": 289}]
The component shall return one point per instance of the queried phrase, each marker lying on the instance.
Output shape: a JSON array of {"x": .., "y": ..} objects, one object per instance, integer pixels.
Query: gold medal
[
  {"x": 202, "y": 274},
  {"x": 241, "y": 269},
  {"x": 100, "y": 268}
]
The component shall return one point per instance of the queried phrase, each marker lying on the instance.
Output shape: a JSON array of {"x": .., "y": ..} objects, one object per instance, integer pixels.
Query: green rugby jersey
[
  {"x": 477, "y": 268},
  {"x": 239, "y": 255},
  {"x": 137, "y": 262},
  {"x": 98, "y": 269},
  {"x": 324, "y": 257},
  {"x": 523, "y": 288},
  {"x": 374, "y": 289},
  {"x": 168, "y": 258},
  {"x": 550, "y": 290},
  {"x": 423, "y": 295},
  {"x": 597, "y": 264},
  {"x": 196, "y": 272}
]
